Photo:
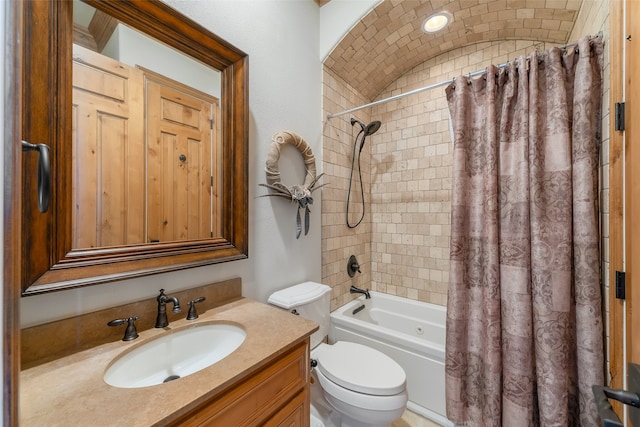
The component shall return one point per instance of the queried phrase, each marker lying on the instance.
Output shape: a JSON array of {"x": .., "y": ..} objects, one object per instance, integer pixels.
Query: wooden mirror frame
[{"x": 48, "y": 262}]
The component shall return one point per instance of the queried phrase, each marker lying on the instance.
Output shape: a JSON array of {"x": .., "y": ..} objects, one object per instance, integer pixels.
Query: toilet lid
[{"x": 361, "y": 369}]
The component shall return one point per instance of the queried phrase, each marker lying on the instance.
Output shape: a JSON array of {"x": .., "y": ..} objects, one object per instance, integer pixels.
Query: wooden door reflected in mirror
[
  {"x": 182, "y": 158},
  {"x": 145, "y": 147}
]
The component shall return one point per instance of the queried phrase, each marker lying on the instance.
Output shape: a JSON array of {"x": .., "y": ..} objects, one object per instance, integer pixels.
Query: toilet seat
[
  {"x": 342, "y": 398},
  {"x": 361, "y": 369}
]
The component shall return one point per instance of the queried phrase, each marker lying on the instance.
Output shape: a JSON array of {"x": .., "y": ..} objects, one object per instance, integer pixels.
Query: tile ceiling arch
[{"x": 388, "y": 41}]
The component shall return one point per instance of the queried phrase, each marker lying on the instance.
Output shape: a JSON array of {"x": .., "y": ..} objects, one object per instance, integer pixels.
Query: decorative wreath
[{"x": 300, "y": 194}]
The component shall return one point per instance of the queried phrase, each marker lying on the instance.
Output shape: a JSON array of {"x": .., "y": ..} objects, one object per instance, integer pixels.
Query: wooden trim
[
  {"x": 102, "y": 27},
  {"x": 11, "y": 220},
  {"x": 45, "y": 91},
  {"x": 632, "y": 180},
  {"x": 82, "y": 37},
  {"x": 616, "y": 196}
]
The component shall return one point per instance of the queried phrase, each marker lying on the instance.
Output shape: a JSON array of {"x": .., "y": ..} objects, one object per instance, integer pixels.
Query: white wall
[
  {"x": 338, "y": 17},
  {"x": 282, "y": 40},
  {"x": 134, "y": 48}
]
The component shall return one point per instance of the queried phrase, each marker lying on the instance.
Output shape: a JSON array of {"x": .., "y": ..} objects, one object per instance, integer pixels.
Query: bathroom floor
[{"x": 411, "y": 419}]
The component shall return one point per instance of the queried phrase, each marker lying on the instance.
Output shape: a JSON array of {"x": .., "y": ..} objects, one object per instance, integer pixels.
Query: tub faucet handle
[
  {"x": 193, "y": 314},
  {"x": 130, "y": 333},
  {"x": 353, "y": 266}
]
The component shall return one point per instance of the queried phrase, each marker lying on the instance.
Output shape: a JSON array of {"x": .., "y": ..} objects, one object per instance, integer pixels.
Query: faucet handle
[
  {"x": 130, "y": 333},
  {"x": 353, "y": 266},
  {"x": 193, "y": 314}
]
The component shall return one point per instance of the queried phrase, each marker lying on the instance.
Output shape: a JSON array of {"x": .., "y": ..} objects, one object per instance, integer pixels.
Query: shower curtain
[{"x": 524, "y": 322}]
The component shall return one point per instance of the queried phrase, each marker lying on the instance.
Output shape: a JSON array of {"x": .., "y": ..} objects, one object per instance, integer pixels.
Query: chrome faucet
[
  {"x": 161, "y": 320},
  {"x": 354, "y": 290}
]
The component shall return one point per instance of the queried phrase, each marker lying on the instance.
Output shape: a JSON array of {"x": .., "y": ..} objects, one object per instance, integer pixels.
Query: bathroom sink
[{"x": 174, "y": 355}]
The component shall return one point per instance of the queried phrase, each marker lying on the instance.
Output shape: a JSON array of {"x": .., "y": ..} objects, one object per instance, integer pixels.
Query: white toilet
[{"x": 355, "y": 385}]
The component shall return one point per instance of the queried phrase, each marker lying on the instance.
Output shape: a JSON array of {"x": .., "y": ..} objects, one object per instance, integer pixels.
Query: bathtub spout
[{"x": 354, "y": 290}]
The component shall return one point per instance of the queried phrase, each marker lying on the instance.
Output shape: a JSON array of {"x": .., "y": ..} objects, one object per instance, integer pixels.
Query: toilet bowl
[
  {"x": 365, "y": 386},
  {"x": 355, "y": 385}
]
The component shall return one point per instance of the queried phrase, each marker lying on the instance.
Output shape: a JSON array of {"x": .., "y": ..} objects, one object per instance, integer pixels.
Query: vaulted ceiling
[{"x": 389, "y": 41}]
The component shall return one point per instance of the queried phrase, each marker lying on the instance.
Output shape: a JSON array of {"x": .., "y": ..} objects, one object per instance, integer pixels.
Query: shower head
[
  {"x": 369, "y": 129},
  {"x": 372, "y": 127}
]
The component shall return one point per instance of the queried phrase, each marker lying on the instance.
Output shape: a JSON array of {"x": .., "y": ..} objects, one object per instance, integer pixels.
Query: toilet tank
[{"x": 310, "y": 300}]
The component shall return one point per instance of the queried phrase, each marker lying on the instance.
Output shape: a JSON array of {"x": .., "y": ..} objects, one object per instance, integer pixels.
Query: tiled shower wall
[
  {"x": 338, "y": 240},
  {"x": 403, "y": 243}
]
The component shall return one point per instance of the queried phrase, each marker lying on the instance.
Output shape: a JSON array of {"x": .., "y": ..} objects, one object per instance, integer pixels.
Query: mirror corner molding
[{"x": 48, "y": 260}]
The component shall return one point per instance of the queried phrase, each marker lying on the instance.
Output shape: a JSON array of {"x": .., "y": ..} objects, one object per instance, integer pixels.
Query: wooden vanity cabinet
[{"x": 277, "y": 395}]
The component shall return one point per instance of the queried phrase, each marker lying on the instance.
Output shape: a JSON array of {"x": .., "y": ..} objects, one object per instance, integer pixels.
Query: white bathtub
[{"x": 410, "y": 332}]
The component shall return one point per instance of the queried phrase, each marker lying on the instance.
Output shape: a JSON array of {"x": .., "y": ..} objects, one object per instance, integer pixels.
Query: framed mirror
[{"x": 145, "y": 113}]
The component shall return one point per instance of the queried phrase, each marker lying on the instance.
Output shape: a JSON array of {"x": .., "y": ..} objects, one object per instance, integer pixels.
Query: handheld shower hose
[{"x": 365, "y": 131}]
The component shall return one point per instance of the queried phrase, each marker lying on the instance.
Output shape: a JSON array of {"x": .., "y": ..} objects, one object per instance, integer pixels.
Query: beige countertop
[{"x": 70, "y": 391}]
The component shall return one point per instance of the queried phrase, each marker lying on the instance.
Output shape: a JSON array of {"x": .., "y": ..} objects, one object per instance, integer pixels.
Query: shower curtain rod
[{"x": 429, "y": 87}]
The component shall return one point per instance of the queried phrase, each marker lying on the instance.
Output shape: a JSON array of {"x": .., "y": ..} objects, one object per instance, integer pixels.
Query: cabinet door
[
  {"x": 278, "y": 394},
  {"x": 294, "y": 414}
]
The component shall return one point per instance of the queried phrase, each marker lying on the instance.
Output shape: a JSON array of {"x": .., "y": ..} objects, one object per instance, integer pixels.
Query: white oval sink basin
[{"x": 175, "y": 355}]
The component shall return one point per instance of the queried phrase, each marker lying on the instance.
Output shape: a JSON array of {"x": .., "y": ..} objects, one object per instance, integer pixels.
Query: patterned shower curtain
[{"x": 524, "y": 321}]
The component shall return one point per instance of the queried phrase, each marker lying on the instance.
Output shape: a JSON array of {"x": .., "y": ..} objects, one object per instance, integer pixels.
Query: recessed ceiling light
[{"x": 436, "y": 22}]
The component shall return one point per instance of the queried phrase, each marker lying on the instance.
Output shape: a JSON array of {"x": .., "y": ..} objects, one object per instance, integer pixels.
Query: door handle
[
  {"x": 631, "y": 398},
  {"x": 44, "y": 173},
  {"x": 627, "y": 397},
  {"x": 607, "y": 416},
  {"x": 603, "y": 394}
]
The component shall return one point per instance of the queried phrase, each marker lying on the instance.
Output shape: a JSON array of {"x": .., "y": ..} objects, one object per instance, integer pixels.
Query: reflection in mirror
[
  {"x": 135, "y": 191},
  {"x": 146, "y": 138}
]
